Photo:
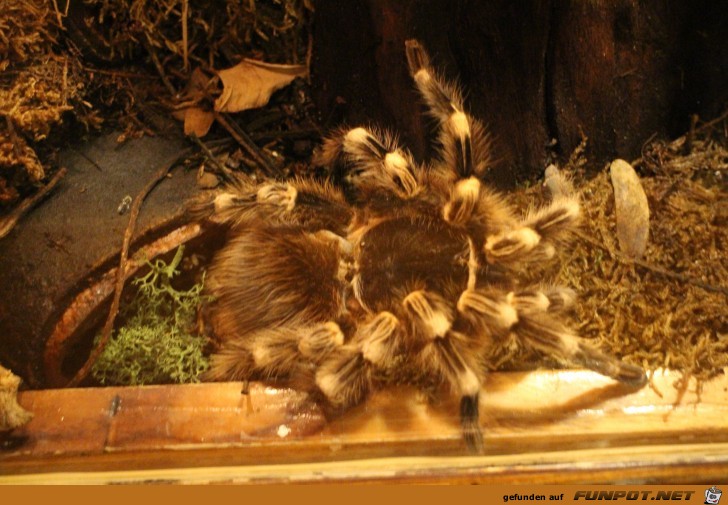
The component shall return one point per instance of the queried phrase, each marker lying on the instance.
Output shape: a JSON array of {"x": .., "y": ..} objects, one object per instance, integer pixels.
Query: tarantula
[{"x": 403, "y": 272}]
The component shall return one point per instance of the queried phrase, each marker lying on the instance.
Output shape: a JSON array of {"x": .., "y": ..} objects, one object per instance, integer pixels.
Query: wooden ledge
[{"x": 545, "y": 426}]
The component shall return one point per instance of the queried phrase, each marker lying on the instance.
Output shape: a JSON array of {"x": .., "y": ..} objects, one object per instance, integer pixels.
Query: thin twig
[
  {"x": 87, "y": 158},
  {"x": 309, "y": 52},
  {"x": 185, "y": 41},
  {"x": 306, "y": 133},
  {"x": 160, "y": 68},
  {"x": 16, "y": 141},
  {"x": 117, "y": 73},
  {"x": 247, "y": 144},
  {"x": 119, "y": 284},
  {"x": 690, "y": 137},
  {"x": 679, "y": 277},
  {"x": 654, "y": 268},
  {"x": 712, "y": 122},
  {"x": 221, "y": 169},
  {"x": 58, "y": 13},
  {"x": 9, "y": 221}
]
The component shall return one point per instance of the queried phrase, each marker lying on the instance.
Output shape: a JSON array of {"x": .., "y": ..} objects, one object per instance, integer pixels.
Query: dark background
[{"x": 539, "y": 73}]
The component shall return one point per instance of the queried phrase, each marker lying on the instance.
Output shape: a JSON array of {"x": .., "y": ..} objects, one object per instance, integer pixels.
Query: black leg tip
[
  {"x": 632, "y": 375},
  {"x": 417, "y": 57},
  {"x": 470, "y": 424}
]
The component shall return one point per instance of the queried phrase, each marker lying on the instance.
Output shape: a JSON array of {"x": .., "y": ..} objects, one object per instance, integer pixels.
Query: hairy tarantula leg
[
  {"x": 430, "y": 314},
  {"x": 512, "y": 245},
  {"x": 473, "y": 264},
  {"x": 444, "y": 354},
  {"x": 232, "y": 361},
  {"x": 376, "y": 161},
  {"x": 560, "y": 298},
  {"x": 558, "y": 184},
  {"x": 463, "y": 138},
  {"x": 345, "y": 377},
  {"x": 320, "y": 341},
  {"x": 270, "y": 352},
  {"x": 275, "y": 352},
  {"x": 553, "y": 339},
  {"x": 433, "y": 319},
  {"x": 534, "y": 240},
  {"x": 484, "y": 309},
  {"x": 464, "y": 199},
  {"x": 543, "y": 333},
  {"x": 554, "y": 299},
  {"x": 557, "y": 220},
  {"x": 306, "y": 203}
]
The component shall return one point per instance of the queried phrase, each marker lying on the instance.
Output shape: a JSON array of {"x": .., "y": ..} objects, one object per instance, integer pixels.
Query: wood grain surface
[{"x": 541, "y": 427}]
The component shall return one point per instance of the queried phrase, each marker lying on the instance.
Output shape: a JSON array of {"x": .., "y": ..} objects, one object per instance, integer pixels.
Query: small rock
[
  {"x": 12, "y": 415},
  {"x": 206, "y": 180},
  {"x": 556, "y": 183},
  {"x": 632, "y": 210}
]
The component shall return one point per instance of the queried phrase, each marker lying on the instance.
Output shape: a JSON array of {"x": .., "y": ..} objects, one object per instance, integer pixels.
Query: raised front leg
[{"x": 370, "y": 162}]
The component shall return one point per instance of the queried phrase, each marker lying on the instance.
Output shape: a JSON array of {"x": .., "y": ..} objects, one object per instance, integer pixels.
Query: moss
[
  {"x": 157, "y": 344},
  {"x": 669, "y": 310}
]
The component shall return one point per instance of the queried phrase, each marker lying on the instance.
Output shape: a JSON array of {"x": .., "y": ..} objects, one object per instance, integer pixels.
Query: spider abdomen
[{"x": 269, "y": 277}]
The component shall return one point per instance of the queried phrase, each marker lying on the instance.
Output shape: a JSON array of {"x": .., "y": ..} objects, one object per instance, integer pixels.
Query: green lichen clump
[{"x": 157, "y": 344}]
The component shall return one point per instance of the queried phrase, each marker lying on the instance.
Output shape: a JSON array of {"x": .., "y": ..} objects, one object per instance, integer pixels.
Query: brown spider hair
[{"x": 401, "y": 272}]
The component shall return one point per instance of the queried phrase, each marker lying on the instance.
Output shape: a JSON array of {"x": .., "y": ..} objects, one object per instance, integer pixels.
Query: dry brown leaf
[
  {"x": 198, "y": 121},
  {"x": 250, "y": 83},
  {"x": 632, "y": 210},
  {"x": 197, "y": 118},
  {"x": 197, "y": 87}
]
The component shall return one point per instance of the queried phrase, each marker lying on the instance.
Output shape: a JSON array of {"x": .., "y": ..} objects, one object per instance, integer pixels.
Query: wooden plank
[
  {"x": 573, "y": 421},
  {"x": 66, "y": 421},
  {"x": 686, "y": 464},
  {"x": 209, "y": 414}
]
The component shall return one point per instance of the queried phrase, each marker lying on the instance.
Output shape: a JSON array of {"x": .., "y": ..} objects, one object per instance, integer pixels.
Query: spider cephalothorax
[{"x": 400, "y": 271}]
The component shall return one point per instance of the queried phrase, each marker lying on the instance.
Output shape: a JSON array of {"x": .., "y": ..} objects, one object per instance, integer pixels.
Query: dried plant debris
[
  {"x": 247, "y": 85},
  {"x": 669, "y": 309},
  {"x": 209, "y": 32},
  {"x": 50, "y": 54},
  {"x": 31, "y": 99},
  {"x": 42, "y": 84},
  {"x": 250, "y": 83},
  {"x": 12, "y": 415},
  {"x": 157, "y": 343}
]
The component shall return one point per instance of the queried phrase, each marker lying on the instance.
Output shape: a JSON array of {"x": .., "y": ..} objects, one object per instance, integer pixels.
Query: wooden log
[
  {"x": 544, "y": 426},
  {"x": 614, "y": 74},
  {"x": 538, "y": 73},
  {"x": 495, "y": 50}
]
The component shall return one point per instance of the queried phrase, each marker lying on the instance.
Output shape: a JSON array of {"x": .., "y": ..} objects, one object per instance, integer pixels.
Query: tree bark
[{"x": 539, "y": 73}]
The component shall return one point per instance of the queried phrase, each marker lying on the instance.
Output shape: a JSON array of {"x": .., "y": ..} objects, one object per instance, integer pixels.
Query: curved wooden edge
[{"x": 65, "y": 332}]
